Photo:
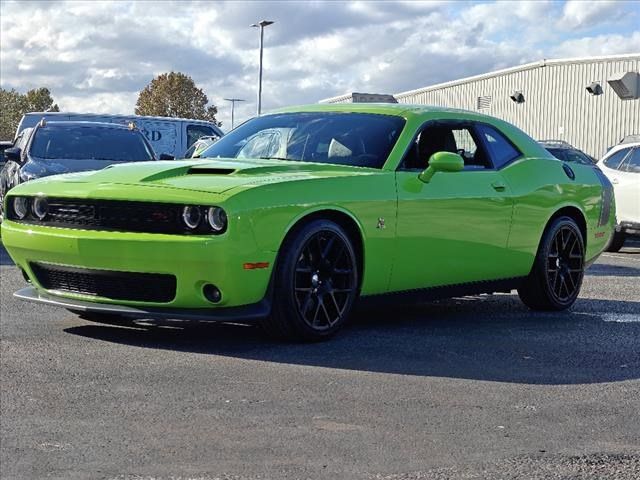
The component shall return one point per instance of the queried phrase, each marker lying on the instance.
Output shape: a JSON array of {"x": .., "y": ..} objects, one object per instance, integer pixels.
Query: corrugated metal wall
[{"x": 556, "y": 106}]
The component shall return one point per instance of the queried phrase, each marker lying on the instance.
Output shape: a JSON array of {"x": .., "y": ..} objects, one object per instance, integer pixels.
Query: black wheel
[
  {"x": 617, "y": 241},
  {"x": 315, "y": 283},
  {"x": 556, "y": 276}
]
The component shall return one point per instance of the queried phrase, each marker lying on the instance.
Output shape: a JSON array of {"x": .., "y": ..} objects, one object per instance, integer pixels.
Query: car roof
[
  {"x": 398, "y": 109},
  {"x": 87, "y": 124},
  {"x": 556, "y": 144},
  {"x": 117, "y": 115}
]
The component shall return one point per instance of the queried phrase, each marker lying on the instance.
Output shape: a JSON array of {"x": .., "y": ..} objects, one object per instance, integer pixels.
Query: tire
[
  {"x": 556, "y": 277},
  {"x": 316, "y": 283},
  {"x": 617, "y": 241}
]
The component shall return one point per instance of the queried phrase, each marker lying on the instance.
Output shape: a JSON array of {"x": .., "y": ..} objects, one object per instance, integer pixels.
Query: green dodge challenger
[{"x": 295, "y": 216}]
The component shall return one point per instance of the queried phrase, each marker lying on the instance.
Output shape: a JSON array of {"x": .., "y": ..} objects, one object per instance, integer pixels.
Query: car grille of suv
[{"x": 141, "y": 287}]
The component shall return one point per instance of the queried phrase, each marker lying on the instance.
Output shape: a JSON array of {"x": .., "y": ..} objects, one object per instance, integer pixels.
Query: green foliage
[
  {"x": 175, "y": 94},
  {"x": 13, "y": 105}
]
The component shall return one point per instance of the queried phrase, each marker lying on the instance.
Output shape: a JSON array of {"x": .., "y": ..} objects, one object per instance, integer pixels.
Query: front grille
[
  {"x": 141, "y": 287},
  {"x": 115, "y": 215}
]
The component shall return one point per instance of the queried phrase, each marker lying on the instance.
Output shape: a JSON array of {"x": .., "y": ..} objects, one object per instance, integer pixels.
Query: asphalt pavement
[{"x": 470, "y": 388}]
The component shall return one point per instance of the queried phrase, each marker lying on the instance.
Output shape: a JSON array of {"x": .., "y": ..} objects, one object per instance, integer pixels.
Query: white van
[{"x": 170, "y": 136}]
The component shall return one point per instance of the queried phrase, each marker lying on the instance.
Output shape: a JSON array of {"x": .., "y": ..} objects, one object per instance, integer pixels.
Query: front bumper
[
  {"x": 629, "y": 228},
  {"x": 245, "y": 314},
  {"x": 194, "y": 261}
]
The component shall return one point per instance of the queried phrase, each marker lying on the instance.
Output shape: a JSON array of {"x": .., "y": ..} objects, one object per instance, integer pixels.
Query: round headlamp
[
  {"x": 40, "y": 208},
  {"x": 191, "y": 217},
  {"x": 21, "y": 207},
  {"x": 217, "y": 219}
]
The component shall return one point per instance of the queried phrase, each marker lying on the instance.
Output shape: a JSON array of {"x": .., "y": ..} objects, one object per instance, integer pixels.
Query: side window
[
  {"x": 194, "y": 132},
  {"x": 442, "y": 138},
  {"x": 500, "y": 150},
  {"x": 615, "y": 160},
  {"x": 632, "y": 163},
  {"x": 578, "y": 157}
]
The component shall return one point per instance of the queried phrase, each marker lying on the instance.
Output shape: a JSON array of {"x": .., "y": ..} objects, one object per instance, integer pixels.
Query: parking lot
[{"x": 466, "y": 388}]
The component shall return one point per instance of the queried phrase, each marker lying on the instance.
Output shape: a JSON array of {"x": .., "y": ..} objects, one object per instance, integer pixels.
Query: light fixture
[
  {"x": 594, "y": 88},
  {"x": 517, "y": 96}
]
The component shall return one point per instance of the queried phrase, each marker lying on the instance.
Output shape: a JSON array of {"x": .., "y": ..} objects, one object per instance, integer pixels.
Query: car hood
[{"x": 212, "y": 176}]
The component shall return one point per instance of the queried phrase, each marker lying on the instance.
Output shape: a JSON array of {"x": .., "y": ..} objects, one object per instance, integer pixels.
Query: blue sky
[{"x": 96, "y": 56}]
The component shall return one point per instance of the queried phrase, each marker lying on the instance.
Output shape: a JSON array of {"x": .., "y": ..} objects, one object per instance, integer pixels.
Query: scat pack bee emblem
[{"x": 381, "y": 224}]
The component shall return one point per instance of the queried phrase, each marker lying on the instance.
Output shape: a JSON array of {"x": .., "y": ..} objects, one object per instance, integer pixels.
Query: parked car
[
  {"x": 622, "y": 166},
  {"x": 52, "y": 148},
  {"x": 566, "y": 152},
  {"x": 169, "y": 136},
  {"x": 3, "y": 146},
  {"x": 357, "y": 202},
  {"x": 199, "y": 146}
]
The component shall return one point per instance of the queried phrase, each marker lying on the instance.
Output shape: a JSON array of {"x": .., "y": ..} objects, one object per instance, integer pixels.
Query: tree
[
  {"x": 39, "y": 100},
  {"x": 175, "y": 94},
  {"x": 13, "y": 105}
]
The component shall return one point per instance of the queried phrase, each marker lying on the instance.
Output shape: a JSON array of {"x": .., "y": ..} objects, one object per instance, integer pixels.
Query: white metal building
[{"x": 589, "y": 102}]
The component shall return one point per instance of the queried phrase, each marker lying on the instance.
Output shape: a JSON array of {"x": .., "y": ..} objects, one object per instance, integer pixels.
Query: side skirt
[{"x": 447, "y": 291}]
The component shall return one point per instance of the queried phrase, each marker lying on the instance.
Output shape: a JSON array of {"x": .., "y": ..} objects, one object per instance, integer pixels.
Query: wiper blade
[{"x": 275, "y": 158}]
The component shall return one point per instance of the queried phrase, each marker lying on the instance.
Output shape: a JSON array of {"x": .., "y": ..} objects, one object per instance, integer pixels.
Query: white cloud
[
  {"x": 581, "y": 14},
  {"x": 96, "y": 56}
]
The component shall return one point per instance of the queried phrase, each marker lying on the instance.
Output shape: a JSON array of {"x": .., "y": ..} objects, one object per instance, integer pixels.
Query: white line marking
[
  {"x": 621, "y": 317},
  {"x": 621, "y": 256}
]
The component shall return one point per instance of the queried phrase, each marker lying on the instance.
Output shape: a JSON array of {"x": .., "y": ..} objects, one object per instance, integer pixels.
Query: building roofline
[
  {"x": 518, "y": 68},
  {"x": 495, "y": 73}
]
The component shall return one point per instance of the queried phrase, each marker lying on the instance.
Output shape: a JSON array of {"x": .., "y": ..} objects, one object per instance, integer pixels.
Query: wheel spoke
[{"x": 335, "y": 303}]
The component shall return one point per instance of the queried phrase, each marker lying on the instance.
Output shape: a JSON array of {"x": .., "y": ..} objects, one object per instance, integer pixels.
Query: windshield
[
  {"x": 357, "y": 139},
  {"x": 89, "y": 143}
]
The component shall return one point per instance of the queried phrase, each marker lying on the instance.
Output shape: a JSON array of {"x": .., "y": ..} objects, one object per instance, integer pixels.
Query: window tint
[
  {"x": 500, "y": 150},
  {"x": 90, "y": 143},
  {"x": 632, "y": 163},
  {"x": 443, "y": 138},
  {"x": 614, "y": 160},
  {"x": 559, "y": 153},
  {"x": 578, "y": 157},
  {"x": 358, "y": 139},
  {"x": 194, "y": 132}
]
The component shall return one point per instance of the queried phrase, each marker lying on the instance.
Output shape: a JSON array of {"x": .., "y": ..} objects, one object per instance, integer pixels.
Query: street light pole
[
  {"x": 233, "y": 107},
  {"x": 261, "y": 25}
]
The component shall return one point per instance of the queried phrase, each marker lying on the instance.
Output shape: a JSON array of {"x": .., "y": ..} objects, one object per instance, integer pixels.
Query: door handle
[{"x": 499, "y": 186}]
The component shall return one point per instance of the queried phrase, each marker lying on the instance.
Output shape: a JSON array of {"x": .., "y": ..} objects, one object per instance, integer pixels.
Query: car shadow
[{"x": 492, "y": 338}]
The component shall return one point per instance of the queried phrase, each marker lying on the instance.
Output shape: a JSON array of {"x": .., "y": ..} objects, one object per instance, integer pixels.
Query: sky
[{"x": 96, "y": 56}]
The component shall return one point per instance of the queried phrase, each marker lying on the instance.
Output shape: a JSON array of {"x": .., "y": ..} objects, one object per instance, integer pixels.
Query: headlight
[
  {"x": 21, "y": 207},
  {"x": 191, "y": 217},
  {"x": 217, "y": 219},
  {"x": 40, "y": 208}
]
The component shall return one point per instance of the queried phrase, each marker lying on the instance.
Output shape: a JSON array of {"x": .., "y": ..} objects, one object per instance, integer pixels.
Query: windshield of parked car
[
  {"x": 67, "y": 142},
  {"x": 357, "y": 139}
]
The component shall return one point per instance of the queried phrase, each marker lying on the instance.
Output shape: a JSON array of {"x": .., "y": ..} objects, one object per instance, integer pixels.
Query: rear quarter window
[{"x": 500, "y": 150}]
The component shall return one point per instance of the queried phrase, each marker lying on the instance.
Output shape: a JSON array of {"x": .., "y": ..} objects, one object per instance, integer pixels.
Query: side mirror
[
  {"x": 166, "y": 156},
  {"x": 12, "y": 154},
  {"x": 442, "y": 162}
]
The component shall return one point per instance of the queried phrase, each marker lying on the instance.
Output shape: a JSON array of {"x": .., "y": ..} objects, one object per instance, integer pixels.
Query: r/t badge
[{"x": 381, "y": 224}]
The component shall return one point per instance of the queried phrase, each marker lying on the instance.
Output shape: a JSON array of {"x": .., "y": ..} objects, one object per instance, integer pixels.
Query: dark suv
[
  {"x": 51, "y": 148},
  {"x": 566, "y": 152}
]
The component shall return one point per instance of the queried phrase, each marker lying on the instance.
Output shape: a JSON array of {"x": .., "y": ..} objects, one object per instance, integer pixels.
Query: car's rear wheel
[
  {"x": 556, "y": 277},
  {"x": 315, "y": 283},
  {"x": 617, "y": 241}
]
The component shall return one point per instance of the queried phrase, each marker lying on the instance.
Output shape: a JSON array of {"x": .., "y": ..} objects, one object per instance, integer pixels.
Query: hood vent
[{"x": 209, "y": 171}]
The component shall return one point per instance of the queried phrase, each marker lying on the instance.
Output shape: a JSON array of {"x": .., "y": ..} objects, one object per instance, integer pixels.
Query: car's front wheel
[
  {"x": 315, "y": 283},
  {"x": 556, "y": 277}
]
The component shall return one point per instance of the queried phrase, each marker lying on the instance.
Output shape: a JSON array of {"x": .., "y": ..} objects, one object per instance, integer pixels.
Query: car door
[
  {"x": 627, "y": 188},
  {"x": 455, "y": 228},
  {"x": 623, "y": 185}
]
